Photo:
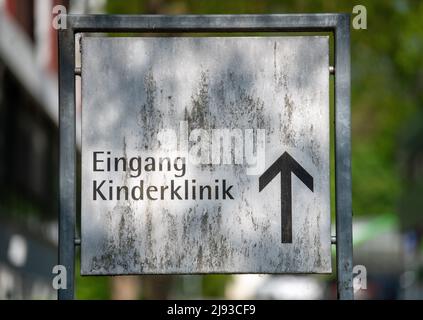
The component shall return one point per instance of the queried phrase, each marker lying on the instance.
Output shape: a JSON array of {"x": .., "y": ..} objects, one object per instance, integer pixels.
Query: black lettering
[
  {"x": 123, "y": 160},
  {"x": 151, "y": 189},
  {"x": 180, "y": 168},
  {"x": 140, "y": 189},
  {"x": 173, "y": 191},
  {"x": 135, "y": 165},
  {"x": 216, "y": 189},
  {"x": 162, "y": 190},
  {"x": 119, "y": 190},
  {"x": 161, "y": 160},
  {"x": 150, "y": 166},
  {"x": 208, "y": 188},
  {"x": 95, "y": 161},
  {"x": 97, "y": 190},
  {"x": 111, "y": 190},
  {"x": 225, "y": 190}
]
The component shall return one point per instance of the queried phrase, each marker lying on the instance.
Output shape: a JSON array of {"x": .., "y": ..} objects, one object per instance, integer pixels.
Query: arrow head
[{"x": 285, "y": 164}]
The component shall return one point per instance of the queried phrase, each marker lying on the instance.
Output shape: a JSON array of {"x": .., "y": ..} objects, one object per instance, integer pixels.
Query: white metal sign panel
[{"x": 205, "y": 155}]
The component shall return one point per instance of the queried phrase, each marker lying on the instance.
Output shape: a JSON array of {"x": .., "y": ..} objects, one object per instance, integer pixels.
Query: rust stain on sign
[{"x": 162, "y": 193}]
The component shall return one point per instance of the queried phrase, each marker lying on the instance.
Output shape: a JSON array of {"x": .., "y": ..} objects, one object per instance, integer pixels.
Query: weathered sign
[{"x": 205, "y": 155}]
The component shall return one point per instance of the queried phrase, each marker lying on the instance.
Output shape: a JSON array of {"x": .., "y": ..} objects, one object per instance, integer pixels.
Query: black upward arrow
[{"x": 285, "y": 165}]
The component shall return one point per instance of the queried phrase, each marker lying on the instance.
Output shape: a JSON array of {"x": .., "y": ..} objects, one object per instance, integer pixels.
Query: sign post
[{"x": 218, "y": 146}]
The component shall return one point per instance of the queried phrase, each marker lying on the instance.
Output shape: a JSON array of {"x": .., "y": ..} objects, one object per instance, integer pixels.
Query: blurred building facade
[{"x": 28, "y": 148}]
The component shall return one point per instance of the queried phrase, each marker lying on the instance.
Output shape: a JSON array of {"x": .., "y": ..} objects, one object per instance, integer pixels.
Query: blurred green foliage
[
  {"x": 387, "y": 96},
  {"x": 214, "y": 285},
  {"x": 91, "y": 288}
]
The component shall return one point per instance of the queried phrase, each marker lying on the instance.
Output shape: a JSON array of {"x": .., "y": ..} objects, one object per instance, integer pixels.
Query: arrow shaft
[{"x": 286, "y": 207}]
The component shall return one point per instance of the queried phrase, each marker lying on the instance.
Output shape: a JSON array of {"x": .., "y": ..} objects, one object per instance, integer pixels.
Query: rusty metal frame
[{"x": 338, "y": 24}]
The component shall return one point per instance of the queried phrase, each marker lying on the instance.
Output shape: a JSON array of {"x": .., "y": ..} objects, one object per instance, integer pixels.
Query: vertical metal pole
[
  {"x": 343, "y": 159},
  {"x": 67, "y": 159}
]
